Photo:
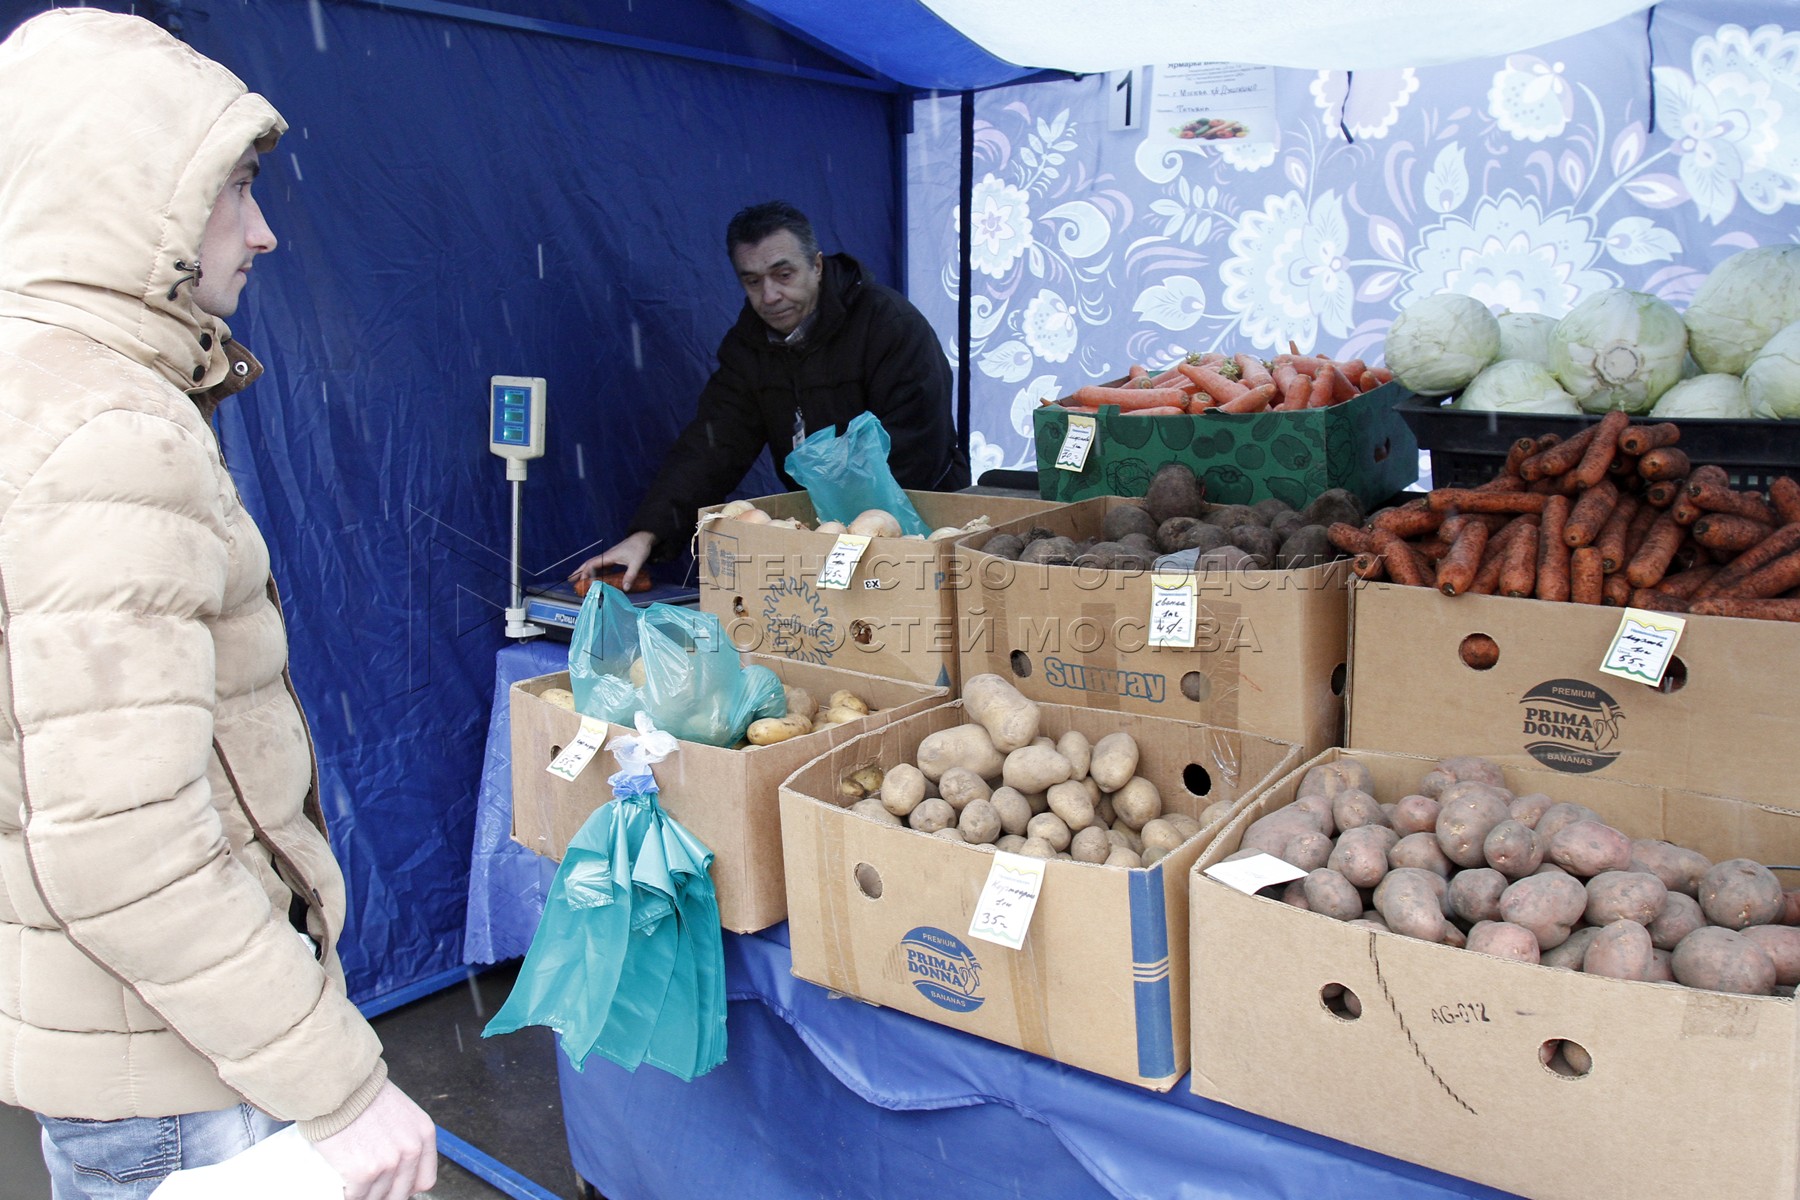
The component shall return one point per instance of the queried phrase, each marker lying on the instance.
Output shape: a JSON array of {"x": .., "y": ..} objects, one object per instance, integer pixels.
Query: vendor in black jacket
[{"x": 818, "y": 343}]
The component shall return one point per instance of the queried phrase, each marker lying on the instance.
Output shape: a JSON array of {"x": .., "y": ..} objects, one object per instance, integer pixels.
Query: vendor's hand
[
  {"x": 388, "y": 1153},
  {"x": 630, "y": 554}
]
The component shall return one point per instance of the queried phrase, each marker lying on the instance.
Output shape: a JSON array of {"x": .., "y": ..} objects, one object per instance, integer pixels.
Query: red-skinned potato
[
  {"x": 1354, "y": 807},
  {"x": 1420, "y": 850},
  {"x": 1475, "y": 894},
  {"x": 1458, "y": 769},
  {"x": 1678, "y": 867},
  {"x": 1625, "y": 896},
  {"x": 1552, "y": 819},
  {"x": 1782, "y": 944},
  {"x": 1528, "y": 808},
  {"x": 1621, "y": 950},
  {"x": 1548, "y": 905},
  {"x": 1328, "y": 892},
  {"x": 1271, "y": 832},
  {"x": 1586, "y": 848},
  {"x": 1512, "y": 848},
  {"x": 1469, "y": 811},
  {"x": 1414, "y": 814},
  {"x": 1662, "y": 966},
  {"x": 1320, "y": 807},
  {"x": 1680, "y": 916},
  {"x": 1569, "y": 955},
  {"x": 1502, "y": 939},
  {"x": 1408, "y": 900},
  {"x": 1330, "y": 779},
  {"x": 1740, "y": 892},
  {"x": 1309, "y": 851},
  {"x": 1723, "y": 960},
  {"x": 1361, "y": 854}
]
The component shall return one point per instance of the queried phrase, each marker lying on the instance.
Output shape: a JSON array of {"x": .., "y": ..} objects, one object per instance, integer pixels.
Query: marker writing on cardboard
[{"x": 1472, "y": 1013}]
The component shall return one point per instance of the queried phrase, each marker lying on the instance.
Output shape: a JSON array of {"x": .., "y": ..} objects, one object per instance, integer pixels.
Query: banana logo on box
[
  {"x": 1571, "y": 726},
  {"x": 943, "y": 968}
]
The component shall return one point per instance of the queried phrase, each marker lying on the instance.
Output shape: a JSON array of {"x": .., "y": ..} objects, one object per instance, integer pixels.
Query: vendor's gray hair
[{"x": 759, "y": 221}]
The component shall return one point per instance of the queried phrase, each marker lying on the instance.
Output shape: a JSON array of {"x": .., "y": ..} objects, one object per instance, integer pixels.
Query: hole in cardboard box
[
  {"x": 1479, "y": 652},
  {"x": 1340, "y": 675},
  {"x": 1674, "y": 677},
  {"x": 868, "y": 881},
  {"x": 1564, "y": 1057},
  {"x": 1195, "y": 779},
  {"x": 861, "y": 632},
  {"x": 1340, "y": 1001},
  {"x": 1382, "y": 450},
  {"x": 1021, "y": 664},
  {"x": 554, "y": 751},
  {"x": 737, "y": 607},
  {"x": 1196, "y": 686}
]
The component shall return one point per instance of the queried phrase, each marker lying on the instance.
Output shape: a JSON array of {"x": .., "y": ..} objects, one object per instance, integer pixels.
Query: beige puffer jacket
[{"x": 157, "y": 787}]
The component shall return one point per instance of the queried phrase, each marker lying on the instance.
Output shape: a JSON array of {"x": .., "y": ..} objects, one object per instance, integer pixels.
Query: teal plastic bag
[
  {"x": 628, "y": 961},
  {"x": 849, "y": 475},
  {"x": 694, "y": 685}
]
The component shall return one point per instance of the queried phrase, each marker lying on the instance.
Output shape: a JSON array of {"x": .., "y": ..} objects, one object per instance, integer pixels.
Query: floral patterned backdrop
[{"x": 1639, "y": 155}]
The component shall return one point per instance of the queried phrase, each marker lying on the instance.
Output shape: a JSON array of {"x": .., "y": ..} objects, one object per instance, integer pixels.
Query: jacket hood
[{"x": 116, "y": 142}]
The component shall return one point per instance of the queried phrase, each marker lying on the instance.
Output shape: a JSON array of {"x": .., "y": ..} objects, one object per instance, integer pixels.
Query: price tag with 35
[
  {"x": 1009, "y": 897},
  {"x": 840, "y": 564},
  {"x": 576, "y": 755}
]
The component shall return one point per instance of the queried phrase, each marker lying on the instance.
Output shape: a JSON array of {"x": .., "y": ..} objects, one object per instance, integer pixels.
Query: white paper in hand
[{"x": 283, "y": 1166}]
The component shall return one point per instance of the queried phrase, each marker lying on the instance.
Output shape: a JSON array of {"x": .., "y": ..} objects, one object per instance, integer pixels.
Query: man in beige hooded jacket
[{"x": 161, "y": 843}]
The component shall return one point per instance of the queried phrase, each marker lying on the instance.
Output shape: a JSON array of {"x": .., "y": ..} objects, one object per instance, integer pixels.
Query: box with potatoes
[
  {"x": 1559, "y": 985},
  {"x": 725, "y": 796},
  {"x": 883, "y": 889},
  {"x": 1060, "y": 603}
]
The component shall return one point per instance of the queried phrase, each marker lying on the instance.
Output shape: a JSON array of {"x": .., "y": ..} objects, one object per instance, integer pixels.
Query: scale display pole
[{"x": 516, "y": 434}]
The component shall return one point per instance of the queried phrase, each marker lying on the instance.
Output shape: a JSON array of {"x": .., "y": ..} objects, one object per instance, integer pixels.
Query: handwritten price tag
[
  {"x": 1642, "y": 647},
  {"x": 576, "y": 755},
  {"x": 1172, "y": 610},
  {"x": 1003, "y": 913},
  {"x": 1076, "y": 443},
  {"x": 840, "y": 564},
  {"x": 1251, "y": 875}
]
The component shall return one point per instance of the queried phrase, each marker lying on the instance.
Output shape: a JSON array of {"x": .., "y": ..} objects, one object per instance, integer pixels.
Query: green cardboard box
[{"x": 1362, "y": 444}]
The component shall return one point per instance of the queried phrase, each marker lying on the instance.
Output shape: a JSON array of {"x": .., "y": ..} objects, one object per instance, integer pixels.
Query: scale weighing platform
[{"x": 516, "y": 434}]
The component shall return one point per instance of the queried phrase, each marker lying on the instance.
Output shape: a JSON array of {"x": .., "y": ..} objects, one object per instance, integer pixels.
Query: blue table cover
[
  {"x": 823, "y": 1095},
  {"x": 826, "y": 1096}
]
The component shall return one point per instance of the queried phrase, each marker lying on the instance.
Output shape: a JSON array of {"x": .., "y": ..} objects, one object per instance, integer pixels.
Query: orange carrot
[
  {"x": 1254, "y": 400},
  {"x": 1415, "y": 518},
  {"x": 1213, "y": 385},
  {"x": 1684, "y": 510},
  {"x": 1251, "y": 371},
  {"x": 1456, "y": 571},
  {"x": 1591, "y": 509},
  {"x": 1615, "y": 590},
  {"x": 1470, "y": 500},
  {"x": 1687, "y": 584},
  {"x": 1518, "y": 574},
  {"x": 1347, "y": 537},
  {"x": 1652, "y": 560},
  {"x": 1761, "y": 610},
  {"x": 1612, "y": 534},
  {"x": 1657, "y": 600},
  {"x": 1641, "y": 439},
  {"x": 1729, "y": 532},
  {"x": 1558, "y": 458},
  {"x": 1586, "y": 579},
  {"x": 1664, "y": 492},
  {"x": 1784, "y": 497},
  {"x": 1719, "y": 497},
  {"x": 1324, "y": 390},
  {"x": 1783, "y": 541},
  {"x": 1768, "y": 581},
  {"x": 1553, "y": 552},
  {"x": 1600, "y": 449},
  {"x": 1402, "y": 562},
  {"x": 1096, "y": 396},
  {"x": 1664, "y": 462},
  {"x": 1136, "y": 371},
  {"x": 1164, "y": 410}
]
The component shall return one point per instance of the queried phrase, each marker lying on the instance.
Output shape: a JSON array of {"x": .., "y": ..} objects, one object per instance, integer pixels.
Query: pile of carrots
[
  {"x": 1613, "y": 515},
  {"x": 1240, "y": 383}
]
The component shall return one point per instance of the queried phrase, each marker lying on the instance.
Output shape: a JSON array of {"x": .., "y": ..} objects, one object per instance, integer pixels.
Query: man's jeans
[{"x": 125, "y": 1160}]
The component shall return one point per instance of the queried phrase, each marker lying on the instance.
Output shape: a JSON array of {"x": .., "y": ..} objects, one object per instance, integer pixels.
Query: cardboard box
[
  {"x": 1691, "y": 1093},
  {"x": 894, "y": 620},
  {"x": 1269, "y": 653},
  {"x": 725, "y": 797},
  {"x": 1723, "y": 728},
  {"x": 882, "y": 912},
  {"x": 1362, "y": 445}
]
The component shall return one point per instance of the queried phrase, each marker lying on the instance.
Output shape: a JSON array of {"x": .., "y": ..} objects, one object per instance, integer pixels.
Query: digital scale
[{"x": 516, "y": 434}]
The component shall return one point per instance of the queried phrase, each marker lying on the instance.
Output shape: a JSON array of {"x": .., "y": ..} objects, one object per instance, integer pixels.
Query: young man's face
[
  {"x": 235, "y": 234},
  {"x": 782, "y": 287}
]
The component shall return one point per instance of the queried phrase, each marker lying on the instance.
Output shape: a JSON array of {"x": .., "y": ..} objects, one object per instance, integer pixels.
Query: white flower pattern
[{"x": 1529, "y": 182}]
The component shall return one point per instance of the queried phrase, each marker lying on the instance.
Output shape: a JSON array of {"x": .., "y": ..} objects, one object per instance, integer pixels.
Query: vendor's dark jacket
[{"x": 869, "y": 350}]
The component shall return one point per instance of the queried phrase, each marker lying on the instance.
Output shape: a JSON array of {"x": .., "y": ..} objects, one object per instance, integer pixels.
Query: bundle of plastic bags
[
  {"x": 674, "y": 665},
  {"x": 846, "y": 476},
  {"x": 627, "y": 960}
]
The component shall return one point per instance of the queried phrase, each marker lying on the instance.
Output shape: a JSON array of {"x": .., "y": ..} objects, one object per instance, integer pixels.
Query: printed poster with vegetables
[{"x": 1212, "y": 102}]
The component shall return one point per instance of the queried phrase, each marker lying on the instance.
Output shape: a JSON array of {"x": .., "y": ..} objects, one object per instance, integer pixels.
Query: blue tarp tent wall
[{"x": 459, "y": 198}]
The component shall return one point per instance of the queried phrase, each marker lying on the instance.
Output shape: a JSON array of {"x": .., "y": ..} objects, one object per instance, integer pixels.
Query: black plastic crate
[{"x": 1469, "y": 448}]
